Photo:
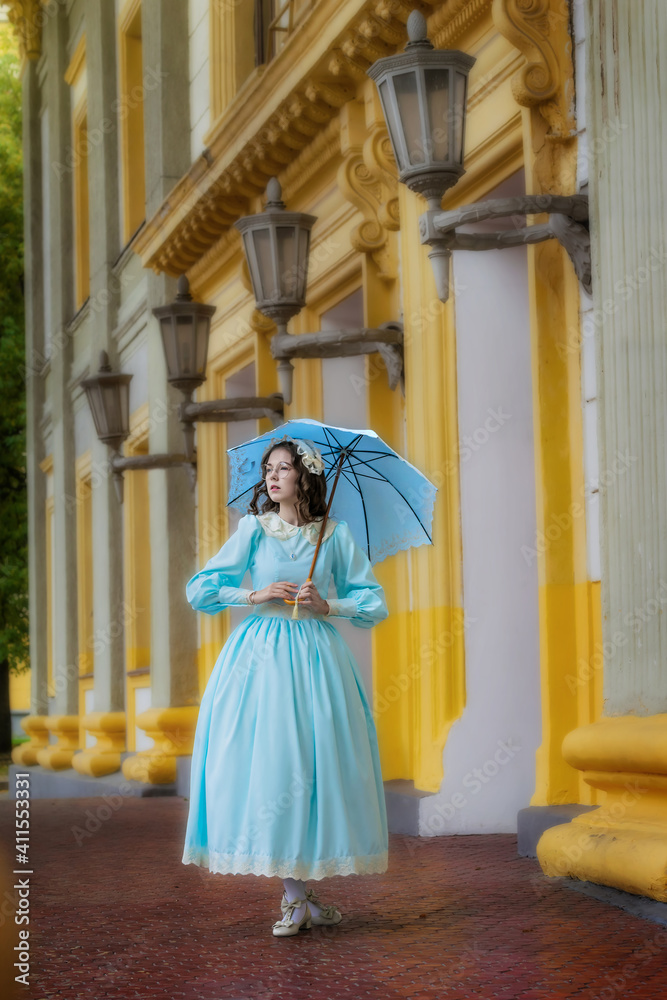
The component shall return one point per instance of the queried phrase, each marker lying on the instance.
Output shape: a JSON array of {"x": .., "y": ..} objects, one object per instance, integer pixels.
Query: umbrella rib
[
  {"x": 402, "y": 497},
  {"x": 363, "y": 504},
  {"x": 332, "y": 449}
]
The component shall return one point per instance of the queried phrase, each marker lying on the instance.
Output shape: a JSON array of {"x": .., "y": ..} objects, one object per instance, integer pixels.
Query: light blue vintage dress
[{"x": 286, "y": 775}]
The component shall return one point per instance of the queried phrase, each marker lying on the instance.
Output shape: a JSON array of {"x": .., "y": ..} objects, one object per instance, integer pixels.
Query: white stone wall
[
  {"x": 625, "y": 47},
  {"x": 200, "y": 93},
  {"x": 587, "y": 316},
  {"x": 489, "y": 756},
  {"x": 344, "y": 402}
]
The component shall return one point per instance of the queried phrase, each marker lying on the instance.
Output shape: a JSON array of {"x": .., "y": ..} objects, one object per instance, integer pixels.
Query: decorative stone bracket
[
  {"x": 568, "y": 223},
  {"x": 387, "y": 339}
]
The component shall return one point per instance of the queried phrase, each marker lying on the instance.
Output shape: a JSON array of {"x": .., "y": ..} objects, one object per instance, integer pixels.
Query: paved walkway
[{"x": 114, "y": 913}]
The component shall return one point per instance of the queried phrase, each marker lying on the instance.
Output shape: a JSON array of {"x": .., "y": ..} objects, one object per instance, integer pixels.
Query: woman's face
[{"x": 281, "y": 476}]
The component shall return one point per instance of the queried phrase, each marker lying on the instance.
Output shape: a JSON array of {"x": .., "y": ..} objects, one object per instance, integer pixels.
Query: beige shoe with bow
[
  {"x": 329, "y": 915},
  {"x": 287, "y": 926}
]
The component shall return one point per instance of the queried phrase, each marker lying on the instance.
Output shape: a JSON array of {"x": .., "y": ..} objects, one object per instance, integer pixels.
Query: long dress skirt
[{"x": 286, "y": 776}]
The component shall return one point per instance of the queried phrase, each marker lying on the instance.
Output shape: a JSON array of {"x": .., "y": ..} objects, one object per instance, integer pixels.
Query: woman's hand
[
  {"x": 276, "y": 591},
  {"x": 309, "y": 595}
]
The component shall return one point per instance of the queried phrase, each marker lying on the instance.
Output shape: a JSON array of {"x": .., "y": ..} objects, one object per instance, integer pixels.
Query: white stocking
[{"x": 295, "y": 889}]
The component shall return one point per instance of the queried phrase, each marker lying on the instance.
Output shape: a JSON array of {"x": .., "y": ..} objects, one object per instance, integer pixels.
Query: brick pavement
[{"x": 118, "y": 915}]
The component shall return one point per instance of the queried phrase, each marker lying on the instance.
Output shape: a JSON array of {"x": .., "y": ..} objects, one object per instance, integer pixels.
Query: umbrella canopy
[{"x": 386, "y": 502}]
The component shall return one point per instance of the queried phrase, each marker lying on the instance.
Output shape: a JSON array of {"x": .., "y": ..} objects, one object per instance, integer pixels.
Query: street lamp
[
  {"x": 423, "y": 97},
  {"x": 108, "y": 396},
  {"x": 277, "y": 245},
  {"x": 109, "y": 400},
  {"x": 185, "y": 328}
]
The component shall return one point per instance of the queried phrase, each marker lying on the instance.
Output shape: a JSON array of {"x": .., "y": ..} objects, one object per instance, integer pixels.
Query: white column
[{"x": 627, "y": 81}]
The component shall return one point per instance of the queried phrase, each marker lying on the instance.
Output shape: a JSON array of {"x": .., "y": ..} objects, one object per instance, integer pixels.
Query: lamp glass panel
[
  {"x": 286, "y": 238},
  {"x": 169, "y": 342},
  {"x": 97, "y": 408},
  {"x": 262, "y": 243},
  {"x": 304, "y": 252},
  {"x": 459, "y": 110},
  {"x": 185, "y": 345},
  {"x": 203, "y": 330},
  {"x": 437, "y": 96},
  {"x": 112, "y": 408},
  {"x": 124, "y": 404},
  {"x": 407, "y": 96},
  {"x": 393, "y": 124}
]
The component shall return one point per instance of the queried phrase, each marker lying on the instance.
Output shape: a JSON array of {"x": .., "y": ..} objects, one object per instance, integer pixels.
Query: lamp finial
[
  {"x": 274, "y": 194},
  {"x": 417, "y": 30},
  {"x": 183, "y": 289}
]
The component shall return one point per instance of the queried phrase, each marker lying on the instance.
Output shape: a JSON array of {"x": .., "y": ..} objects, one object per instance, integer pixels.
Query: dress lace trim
[
  {"x": 276, "y": 527},
  {"x": 257, "y": 864}
]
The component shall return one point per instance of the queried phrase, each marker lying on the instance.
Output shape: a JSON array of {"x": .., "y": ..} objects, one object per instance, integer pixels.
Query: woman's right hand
[{"x": 276, "y": 591}]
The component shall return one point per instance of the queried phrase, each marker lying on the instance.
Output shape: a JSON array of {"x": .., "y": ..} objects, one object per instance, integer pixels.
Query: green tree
[{"x": 14, "y": 646}]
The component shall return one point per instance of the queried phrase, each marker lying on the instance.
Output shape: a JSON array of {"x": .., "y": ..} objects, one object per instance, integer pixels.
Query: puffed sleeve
[
  {"x": 360, "y": 597},
  {"x": 216, "y": 586}
]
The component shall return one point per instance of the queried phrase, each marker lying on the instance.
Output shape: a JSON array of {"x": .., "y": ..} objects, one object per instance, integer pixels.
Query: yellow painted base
[
  {"x": 571, "y": 670},
  {"x": 35, "y": 727},
  {"x": 58, "y": 756},
  {"x": 104, "y": 758},
  {"x": 173, "y": 731},
  {"x": 418, "y": 691},
  {"x": 623, "y": 843}
]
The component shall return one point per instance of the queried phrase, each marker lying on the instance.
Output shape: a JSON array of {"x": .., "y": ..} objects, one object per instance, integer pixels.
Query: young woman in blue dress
[{"x": 340, "y": 826}]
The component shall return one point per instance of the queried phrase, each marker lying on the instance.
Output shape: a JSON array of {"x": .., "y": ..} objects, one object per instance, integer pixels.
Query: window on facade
[
  {"x": 242, "y": 382},
  {"x": 81, "y": 213},
  {"x": 84, "y": 544},
  {"x": 137, "y": 558},
  {"x": 75, "y": 77},
  {"x": 274, "y": 22},
  {"x": 131, "y": 117},
  {"x": 49, "y": 570}
]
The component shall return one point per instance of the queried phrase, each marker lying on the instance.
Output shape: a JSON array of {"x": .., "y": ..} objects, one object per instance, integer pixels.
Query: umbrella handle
[{"x": 288, "y": 600}]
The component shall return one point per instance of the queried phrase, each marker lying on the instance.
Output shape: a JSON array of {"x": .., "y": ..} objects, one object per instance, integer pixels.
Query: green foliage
[{"x": 13, "y": 497}]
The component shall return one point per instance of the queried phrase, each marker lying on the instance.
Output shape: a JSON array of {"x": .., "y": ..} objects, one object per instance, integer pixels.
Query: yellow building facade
[{"x": 493, "y": 650}]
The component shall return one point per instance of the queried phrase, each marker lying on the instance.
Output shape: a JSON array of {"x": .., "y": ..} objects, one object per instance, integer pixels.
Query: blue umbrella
[{"x": 386, "y": 502}]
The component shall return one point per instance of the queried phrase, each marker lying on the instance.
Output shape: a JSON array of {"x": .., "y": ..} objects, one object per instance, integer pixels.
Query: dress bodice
[{"x": 273, "y": 550}]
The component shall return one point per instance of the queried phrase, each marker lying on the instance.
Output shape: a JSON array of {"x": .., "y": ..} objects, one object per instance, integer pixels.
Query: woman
[{"x": 286, "y": 775}]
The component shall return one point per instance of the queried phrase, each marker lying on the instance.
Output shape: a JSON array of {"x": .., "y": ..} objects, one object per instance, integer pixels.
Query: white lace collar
[{"x": 276, "y": 527}]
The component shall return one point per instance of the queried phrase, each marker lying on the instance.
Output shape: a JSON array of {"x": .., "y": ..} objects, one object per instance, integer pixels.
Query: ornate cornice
[
  {"x": 293, "y": 133},
  {"x": 453, "y": 19},
  {"x": 322, "y": 150},
  {"x": 27, "y": 20},
  {"x": 284, "y": 121}
]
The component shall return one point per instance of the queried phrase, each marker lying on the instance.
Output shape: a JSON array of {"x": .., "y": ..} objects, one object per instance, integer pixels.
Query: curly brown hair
[{"x": 311, "y": 489}]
